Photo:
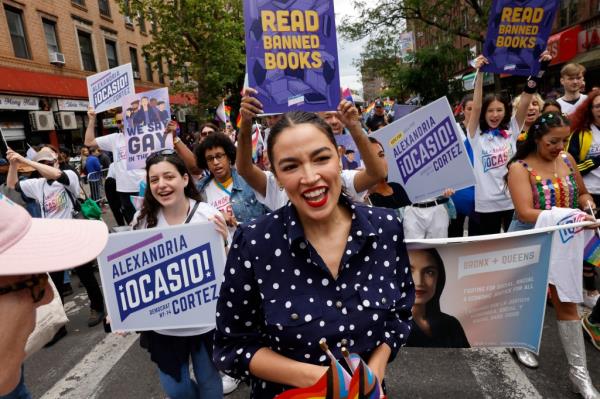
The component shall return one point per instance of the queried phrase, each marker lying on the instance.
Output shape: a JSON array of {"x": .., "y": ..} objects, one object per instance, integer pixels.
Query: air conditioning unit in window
[
  {"x": 66, "y": 120},
  {"x": 136, "y": 75},
  {"x": 57, "y": 58},
  {"x": 41, "y": 120},
  {"x": 128, "y": 20}
]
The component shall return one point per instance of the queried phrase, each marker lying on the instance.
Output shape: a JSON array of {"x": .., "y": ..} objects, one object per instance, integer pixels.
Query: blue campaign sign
[
  {"x": 163, "y": 278},
  {"x": 425, "y": 152},
  {"x": 291, "y": 54},
  {"x": 518, "y": 32}
]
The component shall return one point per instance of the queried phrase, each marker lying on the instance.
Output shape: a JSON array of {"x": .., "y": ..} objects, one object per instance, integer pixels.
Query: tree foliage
[
  {"x": 201, "y": 40},
  {"x": 430, "y": 73},
  {"x": 465, "y": 18}
]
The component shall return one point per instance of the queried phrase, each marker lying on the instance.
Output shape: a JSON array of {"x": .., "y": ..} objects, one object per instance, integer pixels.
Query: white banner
[
  {"x": 19, "y": 103},
  {"x": 106, "y": 90},
  {"x": 425, "y": 152},
  {"x": 163, "y": 278}
]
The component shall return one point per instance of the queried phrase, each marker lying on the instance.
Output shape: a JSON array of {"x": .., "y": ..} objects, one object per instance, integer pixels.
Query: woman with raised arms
[{"x": 320, "y": 267}]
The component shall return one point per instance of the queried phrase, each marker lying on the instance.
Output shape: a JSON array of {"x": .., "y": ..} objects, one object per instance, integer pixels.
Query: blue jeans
[
  {"x": 20, "y": 391},
  {"x": 208, "y": 380},
  {"x": 517, "y": 225}
]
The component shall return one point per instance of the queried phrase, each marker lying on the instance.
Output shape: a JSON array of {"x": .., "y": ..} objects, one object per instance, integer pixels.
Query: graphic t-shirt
[
  {"x": 203, "y": 212},
  {"x": 592, "y": 179},
  {"x": 491, "y": 153},
  {"x": 568, "y": 107},
  {"x": 53, "y": 198},
  {"x": 219, "y": 196},
  {"x": 128, "y": 181}
]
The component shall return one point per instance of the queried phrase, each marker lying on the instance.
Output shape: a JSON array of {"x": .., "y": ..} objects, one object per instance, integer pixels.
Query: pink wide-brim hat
[{"x": 31, "y": 246}]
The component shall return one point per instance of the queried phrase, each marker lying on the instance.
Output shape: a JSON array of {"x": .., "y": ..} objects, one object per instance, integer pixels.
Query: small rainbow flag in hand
[
  {"x": 332, "y": 385},
  {"x": 591, "y": 253}
]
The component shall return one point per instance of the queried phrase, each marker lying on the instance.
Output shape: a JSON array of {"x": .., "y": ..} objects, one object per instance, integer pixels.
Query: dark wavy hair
[
  {"x": 582, "y": 118},
  {"x": 210, "y": 125},
  {"x": 542, "y": 125},
  {"x": 433, "y": 306},
  {"x": 487, "y": 101},
  {"x": 551, "y": 103},
  {"x": 151, "y": 206},
  {"x": 211, "y": 141},
  {"x": 291, "y": 119}
]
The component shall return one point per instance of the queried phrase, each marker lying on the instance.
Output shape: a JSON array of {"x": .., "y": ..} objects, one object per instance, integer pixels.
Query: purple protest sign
[
  {"x": 291, "y": 54},
  {"x": 518, "y": 32}
]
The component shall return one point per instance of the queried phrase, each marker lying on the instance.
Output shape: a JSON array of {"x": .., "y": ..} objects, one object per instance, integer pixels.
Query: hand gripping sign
[
  {"x": 425, "y": 152},
  {"x": 163, "y": 278},
  {"x": 107, "y": 89}
]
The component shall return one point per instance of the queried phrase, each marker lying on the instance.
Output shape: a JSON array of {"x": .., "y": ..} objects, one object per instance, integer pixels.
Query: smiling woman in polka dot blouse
[{"x": 320, "y": 267}]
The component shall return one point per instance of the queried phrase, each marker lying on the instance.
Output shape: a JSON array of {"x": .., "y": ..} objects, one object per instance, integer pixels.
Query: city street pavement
[{"x": 88, "y": 363}]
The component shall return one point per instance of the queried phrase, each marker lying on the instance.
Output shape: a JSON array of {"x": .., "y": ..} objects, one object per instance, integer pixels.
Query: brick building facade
[{"x": 47, "y": 48}]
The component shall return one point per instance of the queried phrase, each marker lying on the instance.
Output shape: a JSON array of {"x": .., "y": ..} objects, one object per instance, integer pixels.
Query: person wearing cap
[
  {"x": 378, "y": 118},
  {"x": 60, "y": 244},
  {"x": 55, "y": 192},
  {"x": 128, "y": 181}
]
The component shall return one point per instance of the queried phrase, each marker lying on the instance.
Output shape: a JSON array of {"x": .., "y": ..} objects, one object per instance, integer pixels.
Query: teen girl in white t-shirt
[
  {"x": 493, "y": 136},
  {"x": 171, "y": 199}
]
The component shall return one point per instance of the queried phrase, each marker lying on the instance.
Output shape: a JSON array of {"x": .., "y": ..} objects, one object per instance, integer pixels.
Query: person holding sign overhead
[
  {"x": 493, "y": 136},
  {"x": 321, "y": 267},
  {"x": 543, "y": 178},
  {"x": 128, "y": 181},
  {"x": 172, "y": 199}
]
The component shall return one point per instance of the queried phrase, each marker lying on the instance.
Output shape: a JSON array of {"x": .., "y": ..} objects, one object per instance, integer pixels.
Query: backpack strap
[{"x": 192, "y": 212}]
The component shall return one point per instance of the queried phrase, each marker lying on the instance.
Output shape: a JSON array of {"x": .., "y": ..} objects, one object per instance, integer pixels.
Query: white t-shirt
[
  {"x": 221, "y": 200},
  {"x": 53, "y": 198},
  {"x": 568, "y": 108},
  {"x": 276, "y": 198},
  {"x": 203, "y": 212},
  {"x": 490, "y": 155},
  {"x": 592, "y": 179},
  {"x": 128, "y": 181}
]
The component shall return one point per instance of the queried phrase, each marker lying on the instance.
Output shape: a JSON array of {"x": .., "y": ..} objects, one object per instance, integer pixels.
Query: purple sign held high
[
  {"x": 518, "y": 32},
  {"x": 291, "y": 54}
]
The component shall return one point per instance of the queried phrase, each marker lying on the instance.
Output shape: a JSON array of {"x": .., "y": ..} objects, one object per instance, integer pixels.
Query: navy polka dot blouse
[{"x": 279, "y": 294}]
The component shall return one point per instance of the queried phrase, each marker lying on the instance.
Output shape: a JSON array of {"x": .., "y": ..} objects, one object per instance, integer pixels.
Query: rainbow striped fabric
[{"x": 591, "y": 253}]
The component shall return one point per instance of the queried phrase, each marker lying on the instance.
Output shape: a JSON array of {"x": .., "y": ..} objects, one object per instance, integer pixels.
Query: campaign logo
[
  {"x": 169, "y": 278},
  {"x": 567, "y": 235},
  {"x": 110, "y": 88},
  {"x": 495, "y": 158}
]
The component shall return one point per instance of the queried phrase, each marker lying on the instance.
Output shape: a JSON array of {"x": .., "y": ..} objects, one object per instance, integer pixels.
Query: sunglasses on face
[
  {"x": 36, "y": 284},
  {"x": 205, "y": 133}
]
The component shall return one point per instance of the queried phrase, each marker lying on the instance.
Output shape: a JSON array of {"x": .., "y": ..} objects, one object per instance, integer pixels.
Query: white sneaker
[
  {"x": 590, "y": 300},
  {"x": 229, "y": 384}
]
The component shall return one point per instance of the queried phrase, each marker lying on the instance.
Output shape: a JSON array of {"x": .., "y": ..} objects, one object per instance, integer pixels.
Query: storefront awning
[
  {"x": 589, "y": 58},
  {"x": 19, "y": 82}
]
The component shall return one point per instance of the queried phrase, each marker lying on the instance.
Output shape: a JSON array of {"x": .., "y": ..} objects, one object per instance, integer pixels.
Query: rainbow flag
[
  {"x": 256, "y": 138},
  {"x": 364, "y": 383},
  {"x": 591, "y": 253},
  {"x": 238, "y": 121},
  {"x": 347, "y": 94},
  {"x": 388, "y": 104},
  {"x": 369, "y": 108},
  {"x": 332, "y": 385},
  {"x": 228, "y": 113}
]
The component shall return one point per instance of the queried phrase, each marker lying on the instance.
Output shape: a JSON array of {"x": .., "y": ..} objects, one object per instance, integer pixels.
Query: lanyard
[{"x": 222, "y": 187}]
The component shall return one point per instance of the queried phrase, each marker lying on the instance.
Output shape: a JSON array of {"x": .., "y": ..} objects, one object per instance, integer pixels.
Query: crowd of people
[{"x": 314, "y": 233}]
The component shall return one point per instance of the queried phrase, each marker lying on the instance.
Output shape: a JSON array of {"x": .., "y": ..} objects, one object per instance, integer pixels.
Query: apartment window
[
  {"x": 134, "y": 62},
  {"x": 79, "y": 2},
  {"x": 86, "y": 50},
  {"x": 111, "y": 54},
  {"x": 568, "y": 12},
  {"x": 142, "y": 22},
  {"x": 104, "y": 7},
  {"x": 50, "y": 33},
  {"x": 161, "y": 73},
  {"x": 149, "y": 74},
  {"x": 17, "y": 32}
]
